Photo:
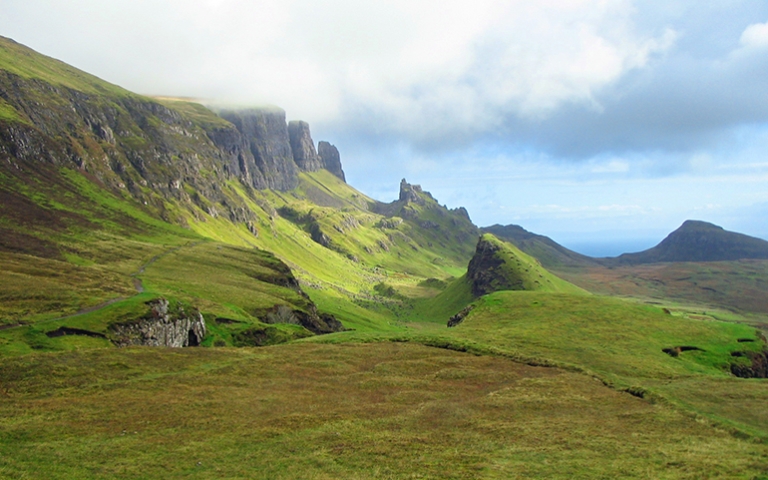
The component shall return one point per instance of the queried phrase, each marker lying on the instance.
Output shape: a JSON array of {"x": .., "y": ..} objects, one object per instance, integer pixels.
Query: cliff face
[
  {"x": 484, "y": 272},
  {"x": 331, "y": 159},
  {"x": 440, "y": 224},
  {"x": 263, "y": 151},
  {"x": 154, "y": 150},
  {"x": 163, "y": 326},
  {"x": 303, "y": 147}
]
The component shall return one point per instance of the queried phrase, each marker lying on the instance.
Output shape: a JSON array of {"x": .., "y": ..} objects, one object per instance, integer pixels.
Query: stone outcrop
[
  {"x": 263, "y": 153},
  {"x": 482, "y": 270},
  {"x": 459, "y": 317},
  {"x": 312, "y": 320},
  {"x": 412, "y": 193},
  {"x": 163, "y": 326},
  {"x": 303, "y": 147},
  {"x": 331, "y": 159},
  {"x": 757, "y": 367}
]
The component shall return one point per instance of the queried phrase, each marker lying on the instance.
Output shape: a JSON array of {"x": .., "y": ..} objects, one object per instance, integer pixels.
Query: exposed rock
[
  {"x": 331, "y": 159},
  {"x": 461, "y": 211},
  {"x": 303, "y": 147},
  {"x": 390, "y": 223},
  {"x": 318, "y": 323},
  {"x": 481, "y": 271},
  {"x": 757, "y": 368},
  {"x": 163, "y": 326},
  {"x": 62, "y": 331},
  {"x": 459, "y": 317},
  {"x": 318, "y": 235},
  {"x": 265, "y": 154},
  {"x": 348, "y": 223},
  {"x": 410, "y": 193}
]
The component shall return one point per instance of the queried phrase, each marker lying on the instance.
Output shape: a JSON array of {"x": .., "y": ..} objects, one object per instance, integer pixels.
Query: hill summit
[
  {"x": 498, "y": 265},
  {"x": 697, "y": 241}
]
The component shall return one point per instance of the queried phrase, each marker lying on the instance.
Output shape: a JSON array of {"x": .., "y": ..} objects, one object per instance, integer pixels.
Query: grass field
[{"x": 384, "y": 410}]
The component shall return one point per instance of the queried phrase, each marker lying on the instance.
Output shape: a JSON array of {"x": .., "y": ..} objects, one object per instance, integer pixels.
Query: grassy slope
[
  {"x": 614, "y": 340},
  {"x": 24, "y": 62},
  {"x": 355, "y": 411},
  {"x": 524, "y": 272},
  {"x": 97, "y": 245}
]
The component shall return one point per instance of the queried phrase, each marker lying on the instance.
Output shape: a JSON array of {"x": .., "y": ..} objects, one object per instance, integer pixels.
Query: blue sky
[{"x": 603, "y": 123}]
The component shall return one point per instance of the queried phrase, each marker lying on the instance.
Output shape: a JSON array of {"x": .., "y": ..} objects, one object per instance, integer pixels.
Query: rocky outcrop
[
  {"x": 263, "y": 153},
  {"x": 153, "y": 150},
  {"x": 482, "y": 270},
  {"x": 318, "y": 323},
  {"x": 459, "y": 317},
  {"x": 757, "y": 366},
  {"x": 303, "y": 147},
  {"x": 329, "y": 155},
  {"x": 412, "y": 193},
  {"x": 164, "y": 326}
]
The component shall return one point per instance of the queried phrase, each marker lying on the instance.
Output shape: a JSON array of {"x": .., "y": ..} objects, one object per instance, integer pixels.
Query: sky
[{"x": 602, "y": 124}]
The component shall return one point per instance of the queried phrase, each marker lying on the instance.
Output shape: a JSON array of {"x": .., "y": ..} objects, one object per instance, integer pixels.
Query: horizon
[{"x": 593, "y": 124}]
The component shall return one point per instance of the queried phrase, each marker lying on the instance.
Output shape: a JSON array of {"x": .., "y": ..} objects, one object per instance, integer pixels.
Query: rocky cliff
[
  {"x": 155, "y": 150},
  {"x": 303, "y": 147},
  {"x": 262, "y": 151},
  {"x": 331, "y": 159},
  {"x": 448, "y": 227},
  {"x": 164, "y": 326}
]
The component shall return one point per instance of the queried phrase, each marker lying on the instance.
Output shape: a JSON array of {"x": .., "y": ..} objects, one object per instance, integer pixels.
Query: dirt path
[{"x": 137, "y": 284}]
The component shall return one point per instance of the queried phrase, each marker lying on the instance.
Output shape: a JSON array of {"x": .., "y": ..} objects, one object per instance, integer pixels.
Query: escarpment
[
  {"x": 303, "y": 147},
  {"x": 329, "y": 155},
  {"x": 152, "y": 149}
]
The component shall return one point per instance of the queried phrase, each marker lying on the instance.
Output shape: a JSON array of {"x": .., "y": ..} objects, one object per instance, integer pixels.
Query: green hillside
[
  {"x": 544, "y": 249},
  {"x": 498, "y": 265}
]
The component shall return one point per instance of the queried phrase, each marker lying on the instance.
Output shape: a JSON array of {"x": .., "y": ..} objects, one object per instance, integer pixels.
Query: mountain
[
  {"x": 697, "y": 241},
  {"x": 550, "y": 253}
]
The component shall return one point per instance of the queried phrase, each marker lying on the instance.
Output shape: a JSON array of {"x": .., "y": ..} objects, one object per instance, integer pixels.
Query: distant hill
[
  {"x": 697, "y": 241},
  {"x": 550, "y": 253}
]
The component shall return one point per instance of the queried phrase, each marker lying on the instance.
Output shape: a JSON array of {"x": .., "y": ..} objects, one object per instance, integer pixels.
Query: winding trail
[{"x": 137, "y": 284}]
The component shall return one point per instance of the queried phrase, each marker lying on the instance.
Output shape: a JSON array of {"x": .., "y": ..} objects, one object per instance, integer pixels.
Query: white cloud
[
  {"x": 442, "y": 66},
  {"x": 755, "y": 35}
]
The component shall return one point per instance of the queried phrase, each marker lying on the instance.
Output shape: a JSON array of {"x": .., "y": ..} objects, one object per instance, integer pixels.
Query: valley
[{"x": 315, "y": 319}]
